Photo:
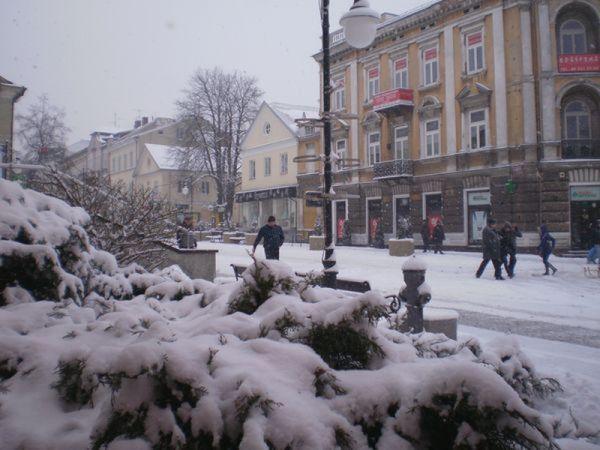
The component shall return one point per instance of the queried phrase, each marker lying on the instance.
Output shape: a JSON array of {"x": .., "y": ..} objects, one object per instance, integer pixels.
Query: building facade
[
  {"x": 269, "y": 174},
  {"x": 467, "y": 109},
  {"x": 9, "y": 94}
]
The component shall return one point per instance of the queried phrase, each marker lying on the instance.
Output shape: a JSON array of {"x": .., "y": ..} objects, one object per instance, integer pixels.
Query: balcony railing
[
  {"x": 581, "y": 149},
  {"x": 391, "y": 169}
]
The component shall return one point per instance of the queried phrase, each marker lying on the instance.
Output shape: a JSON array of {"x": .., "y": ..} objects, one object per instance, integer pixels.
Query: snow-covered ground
[{"x": 568, "y": 298}]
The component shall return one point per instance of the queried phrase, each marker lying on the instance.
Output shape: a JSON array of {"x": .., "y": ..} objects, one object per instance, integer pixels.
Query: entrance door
[
  {"x": 433, "y": 210},
  {"x": 340, "y": 219},
  {"x": 585, "y": 210},
  {"x": 478, "y": 211},
  {"x": 402, "y": 219},
  {"x": 373, "y": 218}
]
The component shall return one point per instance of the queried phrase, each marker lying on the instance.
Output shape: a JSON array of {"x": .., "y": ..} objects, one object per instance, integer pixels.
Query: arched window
[
  {"x": 573, "y": 37},
  {"x": 577, "y": 120}
]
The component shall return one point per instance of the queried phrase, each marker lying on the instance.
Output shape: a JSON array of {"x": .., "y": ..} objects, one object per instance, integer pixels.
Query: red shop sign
[
  {"x": 401, "y": 64},
  {"x": 373, "y": 73},
  {"x": 430, "y": 54},
  {"x": 579, "y": 63},
  {"x": 474, "y": 38}
]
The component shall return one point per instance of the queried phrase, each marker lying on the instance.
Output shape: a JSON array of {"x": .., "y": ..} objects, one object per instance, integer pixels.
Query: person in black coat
[
  {"x": 546, "y": 247},
  {"x": 508, "y": 247},
  {"x": 272, "y": 236},
  {"x": 425, "y": 235},
  {"x": 491, "y": 250},
  {"x": 438, "y": 237}
]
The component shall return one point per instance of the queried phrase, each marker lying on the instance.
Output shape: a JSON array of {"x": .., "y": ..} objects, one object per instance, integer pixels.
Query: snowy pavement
[{"x": 564, "y": 307}]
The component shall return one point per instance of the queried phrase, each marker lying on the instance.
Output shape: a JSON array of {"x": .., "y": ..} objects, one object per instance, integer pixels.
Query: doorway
[
  {"x": 402, "y": 223},
  {"x": 585, "y": 211},
  {"x": 432, "y": 210},
  {"x": 374, "y": 209},
  {"x": 340, "y": 217},
  {"x": 478, "y": 210}
]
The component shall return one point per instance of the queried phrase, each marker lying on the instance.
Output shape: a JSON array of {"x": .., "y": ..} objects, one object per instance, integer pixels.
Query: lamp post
[{"x": 360, "y": 28}]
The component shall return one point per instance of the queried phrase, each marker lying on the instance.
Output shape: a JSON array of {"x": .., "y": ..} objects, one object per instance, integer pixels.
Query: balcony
[
  {"x": 579, "y": 63},
  {"x": 581, "y": 149},
  {"x": 393, "y": 169},
  {"x": 392, "y": 99}
]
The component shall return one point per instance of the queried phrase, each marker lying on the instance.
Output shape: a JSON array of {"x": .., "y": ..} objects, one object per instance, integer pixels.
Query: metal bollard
[{"x": 414, "y": 294}]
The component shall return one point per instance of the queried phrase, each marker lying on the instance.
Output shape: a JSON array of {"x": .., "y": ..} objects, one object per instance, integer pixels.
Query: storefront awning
[{"x": 263, "y": 194}]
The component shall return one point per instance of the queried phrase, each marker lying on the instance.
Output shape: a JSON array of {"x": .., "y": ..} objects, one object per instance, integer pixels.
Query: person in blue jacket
[
  {"x": 546, "y": 247},
  {"x": 272, "y": 236}
]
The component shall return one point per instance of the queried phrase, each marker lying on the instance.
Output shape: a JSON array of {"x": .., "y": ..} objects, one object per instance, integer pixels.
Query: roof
[
  {"x": 78, "y": 146},
  {"x": 164, "y": 155},
  {"x": 289, "y": 113}
]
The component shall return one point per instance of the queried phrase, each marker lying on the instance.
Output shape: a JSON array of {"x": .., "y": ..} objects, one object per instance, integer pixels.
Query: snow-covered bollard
[{"x": 415, "y": 294}]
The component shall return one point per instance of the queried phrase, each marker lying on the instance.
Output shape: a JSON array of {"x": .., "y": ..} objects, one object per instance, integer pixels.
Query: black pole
[{"x": 329, "y": 262}]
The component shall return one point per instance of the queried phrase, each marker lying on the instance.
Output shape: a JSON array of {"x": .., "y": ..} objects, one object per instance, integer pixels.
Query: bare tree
[
  {"x": 43, "y": 132},
  {"x": 127, "y": 223},
  {"x": 218, "y": 108}
]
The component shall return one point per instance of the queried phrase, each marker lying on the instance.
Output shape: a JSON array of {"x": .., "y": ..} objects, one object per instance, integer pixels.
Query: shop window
[
  {"x": 478, "y": 129},
  {"x": 401, "y": 150},
  {"x": 400, "y": 75},
  {"x": 429, "y": 64},
  {"x": 374, "y": 147}
]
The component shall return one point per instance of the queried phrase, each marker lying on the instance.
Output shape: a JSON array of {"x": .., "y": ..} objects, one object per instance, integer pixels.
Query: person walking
[
  {"x": 546, "y": 247},
  {"x": 491, "y": 250},
  {"x": 425, "y": 235},
  {"x": 272, "y": 236},
  {"x": 438, "y": 237},
  {"x": 594, "y": 253},
  {"x": 508, "y": 247}
]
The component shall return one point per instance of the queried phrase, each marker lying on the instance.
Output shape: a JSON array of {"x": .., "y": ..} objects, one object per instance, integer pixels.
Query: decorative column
[
  {"x": 499, "y": 78},
  {"x": 450, "y": 93},
  {"x": 528, "y": 85}
]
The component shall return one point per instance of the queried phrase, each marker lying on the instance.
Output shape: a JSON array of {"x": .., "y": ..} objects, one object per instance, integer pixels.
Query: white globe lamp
[{"x": 360, "y": 24}]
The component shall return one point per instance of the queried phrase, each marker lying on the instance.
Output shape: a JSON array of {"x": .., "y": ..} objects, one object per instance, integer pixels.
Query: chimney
[
  {"x": 144, "y": 120},
  {"x": 137, "y": 124}
]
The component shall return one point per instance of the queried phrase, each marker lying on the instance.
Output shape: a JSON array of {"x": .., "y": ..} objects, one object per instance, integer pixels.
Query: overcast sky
[{"x": 111, "y": 61}]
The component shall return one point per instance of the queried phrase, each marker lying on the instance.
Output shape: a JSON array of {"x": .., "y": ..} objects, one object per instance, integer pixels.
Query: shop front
[
  {"x": 374, "y": 216},
  {"x": 257, "y": 206},
  {"x": 432, "y": 209},
  {"x": 478, "y": 210},
  {"x": 585, "y": 210}
]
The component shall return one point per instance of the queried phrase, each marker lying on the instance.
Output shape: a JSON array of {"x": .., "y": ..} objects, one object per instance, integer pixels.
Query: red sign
[
  {"x": 373, "y": 73},
  {"x": 474, "y": 38},
  {"x": 401, "y": 64},
  {"x": 430, "y": 54},
  {"x": 393, "y": 97},
  {"x": 579, "y": 63}
]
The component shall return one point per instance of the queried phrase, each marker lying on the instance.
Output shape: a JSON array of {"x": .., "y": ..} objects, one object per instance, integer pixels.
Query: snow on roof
[
  {"x": 164, "y": 155},
  {"x": 78, "y": 146},
  {"x": 289, "y": 113}
]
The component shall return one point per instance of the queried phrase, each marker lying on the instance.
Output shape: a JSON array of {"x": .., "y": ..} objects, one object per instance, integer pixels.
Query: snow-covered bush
[{"x": 160, "y": 361}]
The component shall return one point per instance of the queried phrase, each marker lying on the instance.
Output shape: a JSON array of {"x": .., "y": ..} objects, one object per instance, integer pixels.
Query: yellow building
[
  {"x": 269, "y": 175},
  {"x": 468, "y": 109}
]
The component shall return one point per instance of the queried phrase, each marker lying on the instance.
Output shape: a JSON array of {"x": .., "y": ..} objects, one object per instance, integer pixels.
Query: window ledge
[
  {"x": 467, "y": 76},
  {"x": 423, "y": 87}
]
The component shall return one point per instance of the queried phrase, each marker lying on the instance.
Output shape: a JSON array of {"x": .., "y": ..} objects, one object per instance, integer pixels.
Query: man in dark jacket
[
  {"x": 272, "y": 236},
  {"x": 491, "y": 250},
  {"x": 425, "y": 235},
  {"x": 546, "y": 247},
  {"x": 508, "y": 247},
  {"x": 438, "y": 237},
  {"x": 594, "y": 253}
]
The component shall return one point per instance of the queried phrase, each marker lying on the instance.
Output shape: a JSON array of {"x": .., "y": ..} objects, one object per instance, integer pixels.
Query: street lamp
[{"x": 360, "y": 27}]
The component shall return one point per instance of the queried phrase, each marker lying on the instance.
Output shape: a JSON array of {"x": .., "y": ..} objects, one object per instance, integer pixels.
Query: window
[
  {"x": 310, "y": 167},
  {"x": 267, "y": 128},
  {"x": 401, "y": 73},
  {"x": 477, "y": 127},
  {"x": 432, "y": 137},
  {"x": 401, "y": 150},
  {"x": 573, "y": 38},
  {"x": 339, "y": 95},
  {"x": 374, "y": 145},
  {"x": 205, "y": 187},
  {"x": 474, "y": 52},
  {"x": 372, "y": 82},
  {"x": 283, "y": 163},
  {"x": 577, "y": 120},
  {"x": 429, "y": 60},
  {"x": 340, "y": 150},
  {"x": 252, "y": 165},
  {"x": 267, "y": 167},
  {"x": 180, "y": 184},
  {"x": 309, "y": 129}
]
